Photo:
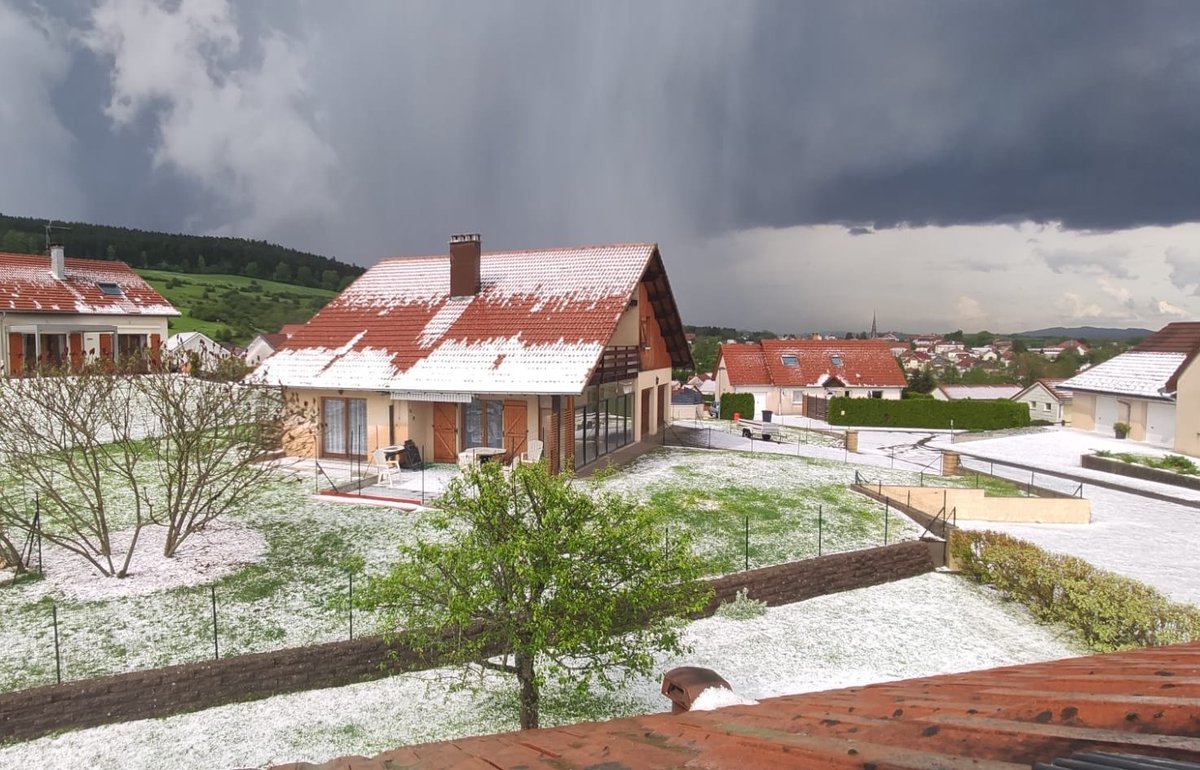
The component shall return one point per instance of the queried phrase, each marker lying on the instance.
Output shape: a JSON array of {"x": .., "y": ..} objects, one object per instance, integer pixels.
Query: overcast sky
[{"x": 999, "y": 165}]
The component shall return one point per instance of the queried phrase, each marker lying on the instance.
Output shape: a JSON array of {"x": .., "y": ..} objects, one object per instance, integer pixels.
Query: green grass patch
[{"x": 234, "y": 307}]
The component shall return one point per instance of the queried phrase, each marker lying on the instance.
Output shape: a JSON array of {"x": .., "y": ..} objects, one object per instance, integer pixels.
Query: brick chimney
[
  {"x": 464, "y": 265},
  {"x": 58, "y": 261}
]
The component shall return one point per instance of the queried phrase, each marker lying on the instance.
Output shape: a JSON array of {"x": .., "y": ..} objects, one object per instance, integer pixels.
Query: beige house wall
[
  {"x": 302, "y": 437},
  {"x": 976, "y": 505},
  {"x": 650, "y": 379},
  {"x": 1187, "y": 410},
  {"x": 1083, "y": 411},
  {"x": 627, "y": 329}
]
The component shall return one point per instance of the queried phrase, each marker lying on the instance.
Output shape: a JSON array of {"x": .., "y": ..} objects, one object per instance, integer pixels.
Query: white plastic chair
[
  {"x": 532, "y": 453},
  {"x": 383, "y": 466}
]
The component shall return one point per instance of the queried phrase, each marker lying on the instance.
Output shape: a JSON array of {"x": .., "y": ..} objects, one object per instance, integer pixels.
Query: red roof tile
[
  {"x": 538, "y": 324},
  {"x": 1138, "y": 702},
  {"x": 26, "y": 285},
  {"x": 743, "y": 363},
  {"x": 855, "y": 363}
]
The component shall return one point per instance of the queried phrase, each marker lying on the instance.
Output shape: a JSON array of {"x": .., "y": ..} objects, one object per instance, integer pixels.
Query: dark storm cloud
[{"x": 549, "y": 122}]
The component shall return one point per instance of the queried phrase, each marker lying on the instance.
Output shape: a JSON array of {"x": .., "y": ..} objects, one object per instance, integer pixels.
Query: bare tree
[
  {"x": 73, "y": 439},
  {"x": 211, "y": 437},
  {"x": 109, "y": 452}
]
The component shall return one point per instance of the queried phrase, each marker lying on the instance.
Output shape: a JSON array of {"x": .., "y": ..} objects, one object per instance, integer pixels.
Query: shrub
[
  {"x": 742, "y": 607},
  {"x": 1108, "y": 611},
  {"x": 742, "y": 403},
  {"x": 929, "y": 413}
]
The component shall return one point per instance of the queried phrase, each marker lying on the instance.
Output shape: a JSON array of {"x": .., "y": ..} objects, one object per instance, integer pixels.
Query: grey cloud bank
[{"x": 366, "y": 129}]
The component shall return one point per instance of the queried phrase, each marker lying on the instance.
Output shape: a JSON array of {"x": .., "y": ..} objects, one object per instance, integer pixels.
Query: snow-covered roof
[
  {"x": 539, "y": 323},
  {"x": 969, "y": 392},
  {"x": 88, "y": 287},
  {"x": 1133, "y": 373}
]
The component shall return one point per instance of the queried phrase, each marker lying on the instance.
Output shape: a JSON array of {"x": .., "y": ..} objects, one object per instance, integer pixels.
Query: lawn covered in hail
[
  {"x": 280, "y": 569},
  {"x": 932, "y": 624}
]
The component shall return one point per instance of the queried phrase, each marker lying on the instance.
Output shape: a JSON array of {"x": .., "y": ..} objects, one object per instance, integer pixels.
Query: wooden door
[
  {"x": 445, "y": 432},
  {"x": 516, "y": 428}
]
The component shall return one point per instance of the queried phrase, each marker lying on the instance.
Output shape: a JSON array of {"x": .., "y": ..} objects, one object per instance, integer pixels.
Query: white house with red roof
[
  {"x": 59, "y": 311},
  {"x": 571, "y": 346},
  {"x": 780, "y": 373}
]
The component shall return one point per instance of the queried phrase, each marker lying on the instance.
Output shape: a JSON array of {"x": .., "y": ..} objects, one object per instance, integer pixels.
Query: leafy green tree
[
  {"x": 568, "y": 585},
  {"x": 283, "y": 273},
  {"x": 329, "y": 280},
  {"x": 922, "y": 381},
  {"x": 304, "y": 275}
]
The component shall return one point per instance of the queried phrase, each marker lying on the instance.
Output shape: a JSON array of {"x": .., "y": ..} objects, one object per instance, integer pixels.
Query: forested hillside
[{"x": 179, "y": 253}]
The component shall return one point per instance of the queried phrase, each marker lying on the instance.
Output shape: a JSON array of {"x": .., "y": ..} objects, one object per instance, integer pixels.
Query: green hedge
[
  {"x": 1108, "y": 611},
  {"x": 743, "y": 403},
  {"x": 928, "y": 413}
]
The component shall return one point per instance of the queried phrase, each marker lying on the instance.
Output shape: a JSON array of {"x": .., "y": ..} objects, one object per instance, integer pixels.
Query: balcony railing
[{"x": 619, "y": 362}]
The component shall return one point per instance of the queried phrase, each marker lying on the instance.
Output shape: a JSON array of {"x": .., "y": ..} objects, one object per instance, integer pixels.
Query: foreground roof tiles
[
  {"x": 812, "y": 363},
  {"x": 26, "y": 285},
  {"x": 538, "y": 324},
  {"x": 1143, "y": 702}
]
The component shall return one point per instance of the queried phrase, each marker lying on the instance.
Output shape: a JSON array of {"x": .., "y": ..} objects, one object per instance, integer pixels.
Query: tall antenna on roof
[{"x": 50, "y": 226}]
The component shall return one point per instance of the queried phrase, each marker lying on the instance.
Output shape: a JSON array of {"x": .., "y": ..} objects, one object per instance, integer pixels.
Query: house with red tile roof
[
  {"x": 1130, "y": 709},
  {"x": 1154, "y": 388},
  {"x": 780, "y": 373},
  {"x": 570, "y": 346},
  {"x": 60, "y": 311}
]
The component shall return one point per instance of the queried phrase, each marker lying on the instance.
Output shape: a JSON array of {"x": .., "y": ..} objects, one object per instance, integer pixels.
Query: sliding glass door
[{"x": 344, "y": 427}]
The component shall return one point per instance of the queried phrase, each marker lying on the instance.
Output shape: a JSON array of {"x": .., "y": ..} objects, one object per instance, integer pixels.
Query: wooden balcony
[{"x": 619, "y": 362}]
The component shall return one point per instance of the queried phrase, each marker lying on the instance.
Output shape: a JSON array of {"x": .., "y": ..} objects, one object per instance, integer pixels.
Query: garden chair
[
  {"x": 532, "y": 453},
  {"x": 381, "y": 465}
]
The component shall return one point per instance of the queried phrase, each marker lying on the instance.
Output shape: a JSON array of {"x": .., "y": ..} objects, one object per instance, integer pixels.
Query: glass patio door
[{"x": 344, "y": 422}]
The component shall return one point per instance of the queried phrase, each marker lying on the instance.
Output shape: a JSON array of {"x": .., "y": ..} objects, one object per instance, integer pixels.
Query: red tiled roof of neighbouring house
[
  {"x": 743, "y": 363},
  {"x": 26, "y": 285},
  {"x": 275, "y": 340},
  {"x": 287, "y": 330},
  {"x": 1139, "y": 702},
  {"x": 812, "y": 363},
  {"x": 538, "y": 324},
  {"x": 1052, "y": 386}
]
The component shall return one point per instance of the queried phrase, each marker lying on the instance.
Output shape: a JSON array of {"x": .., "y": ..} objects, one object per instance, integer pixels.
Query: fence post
[
  {"x": 820, "y": 526},
  {"x": 886, "y": 511},
  {"x": 57, "y": 655},
  {"x": 216, "y": 649},
  {"x": 423, "y": 456},
  {"x": 351, "y": 606},
  {"x": 747, "y": 564},
  {"x": 1029, "y": 492}
]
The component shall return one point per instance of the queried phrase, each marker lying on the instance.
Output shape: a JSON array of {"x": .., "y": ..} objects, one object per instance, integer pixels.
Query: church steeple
[{"x": 874, "y": 331}]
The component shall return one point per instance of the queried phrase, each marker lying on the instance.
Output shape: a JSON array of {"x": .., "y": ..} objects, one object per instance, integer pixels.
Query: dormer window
[
  {"x": 109, "y": 288},
  {"x": 835, "y": 359},
  {"x": 789, "y": 360}
]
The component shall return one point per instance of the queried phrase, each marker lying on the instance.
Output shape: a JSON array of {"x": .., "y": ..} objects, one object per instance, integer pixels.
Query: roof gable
[
  {"x": 90, "y": 287},
  {"x": 538, "y": 324},
  {"x": 1133, "y": 373}
]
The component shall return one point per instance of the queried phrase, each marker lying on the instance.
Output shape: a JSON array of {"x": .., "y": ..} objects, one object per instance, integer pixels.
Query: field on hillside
[{"x": 234, "y": 307}]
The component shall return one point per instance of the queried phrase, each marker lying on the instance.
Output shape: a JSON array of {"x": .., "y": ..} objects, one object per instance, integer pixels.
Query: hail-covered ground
[
  {"x": 936, "y": 623},
  {"x": 279, "y": 570}
]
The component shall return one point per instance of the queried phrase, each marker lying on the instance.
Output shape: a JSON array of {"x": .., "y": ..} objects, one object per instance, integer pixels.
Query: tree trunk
[{"x": 529, "y": 691}]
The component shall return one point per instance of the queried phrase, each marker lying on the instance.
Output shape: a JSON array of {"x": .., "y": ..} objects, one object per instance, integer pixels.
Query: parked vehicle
[{"x": 768, "y": 431}]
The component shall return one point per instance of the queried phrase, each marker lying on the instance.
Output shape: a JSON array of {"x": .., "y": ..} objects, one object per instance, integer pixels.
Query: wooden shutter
[
  {"x": 516, "y": 428},
  {"x": 16, "y": 353},
  {"x": 445, "y": 432},
  {"x": 75, "y": 343}
]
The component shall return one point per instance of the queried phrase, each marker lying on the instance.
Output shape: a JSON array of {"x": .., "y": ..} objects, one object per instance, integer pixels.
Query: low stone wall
[
  {"x": 977, "y": 505},
  {"x": 1145, "y": 472},
  {"x": 161, "y": 692}
]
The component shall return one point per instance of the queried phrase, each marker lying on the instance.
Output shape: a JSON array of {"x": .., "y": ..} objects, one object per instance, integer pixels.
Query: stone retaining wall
[{"x": 161, "y": 692}]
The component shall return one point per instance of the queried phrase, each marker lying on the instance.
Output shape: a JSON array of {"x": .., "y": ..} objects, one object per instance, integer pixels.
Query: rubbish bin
[
  {"x": 737, "y": 416},
  {"x": 767, "y": 415}
]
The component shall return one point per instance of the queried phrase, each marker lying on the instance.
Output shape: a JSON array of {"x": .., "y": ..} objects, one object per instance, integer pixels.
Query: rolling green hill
[
  {"x": 234, "y": 307},
  {"x": 193, "y": 254}
]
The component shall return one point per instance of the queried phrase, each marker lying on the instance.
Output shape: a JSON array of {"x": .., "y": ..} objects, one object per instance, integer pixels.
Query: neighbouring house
[
  {"x": 915, "y": 360},
  {"x": 570, "y": 346},
  {"x": 59, "y": 311},
  {"x": 781, "y": 373},
  {"x": 1046, "y": 401},
  {"x": 704, "y": 383},
  {"x": 974, "y": 392},
  {"x": 263, "y": 346},
  {"x": 1153, "y": 387},
  {"x": 948, "y": 347},
  {"x": 687, "y": 403},
  {"x": 187, "y": 347}
]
